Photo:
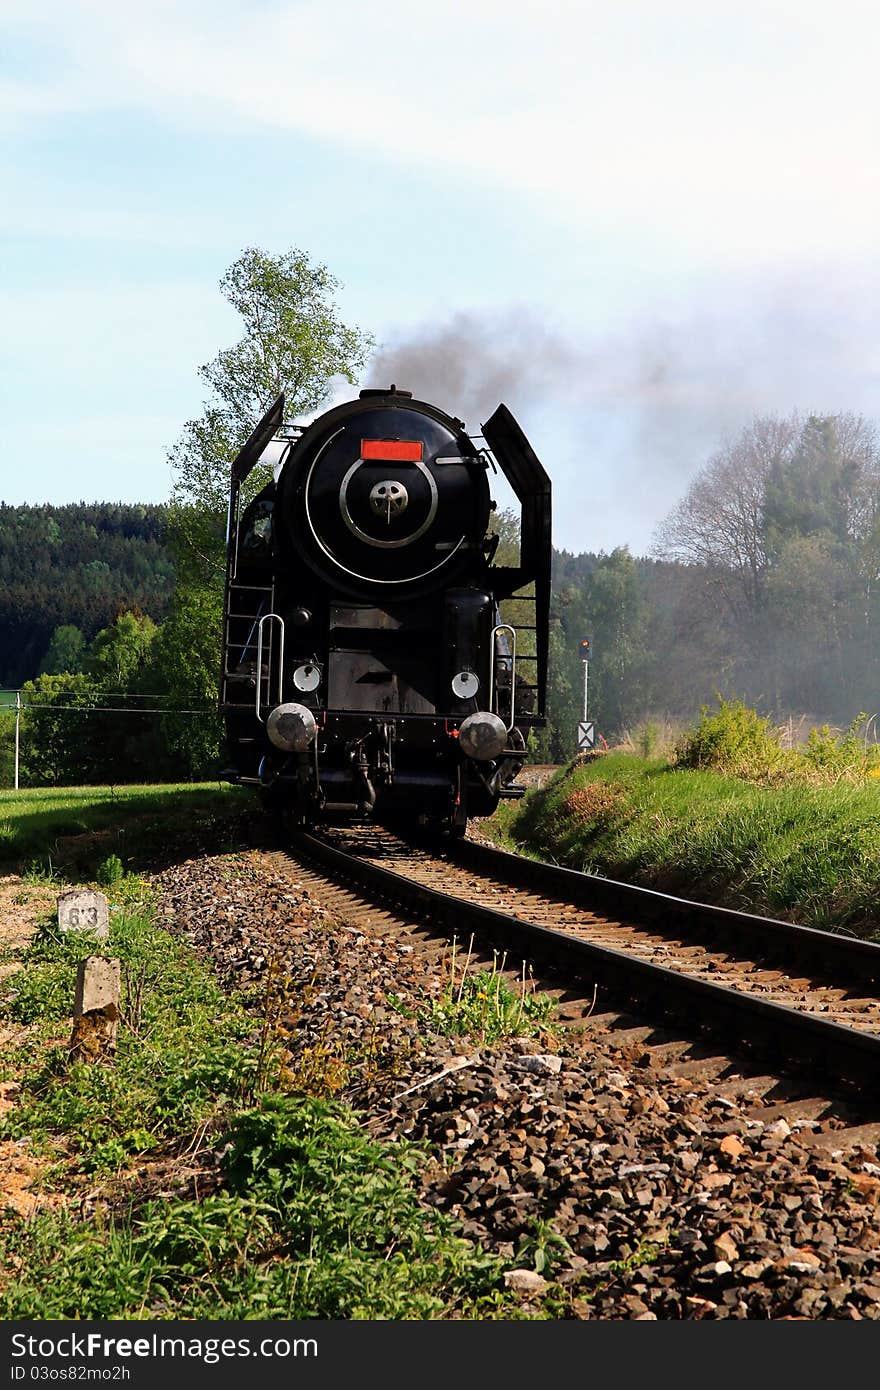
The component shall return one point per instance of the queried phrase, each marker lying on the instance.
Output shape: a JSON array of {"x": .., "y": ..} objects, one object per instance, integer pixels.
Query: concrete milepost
[
  {"x": 96, "y": 1009},
  {"x": 83, "y": 910}
]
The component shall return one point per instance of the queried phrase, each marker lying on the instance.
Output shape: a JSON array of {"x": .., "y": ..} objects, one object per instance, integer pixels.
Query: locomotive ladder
[
  {"x": 513, "y": 679},
  {"x": 253, "y": 649}
]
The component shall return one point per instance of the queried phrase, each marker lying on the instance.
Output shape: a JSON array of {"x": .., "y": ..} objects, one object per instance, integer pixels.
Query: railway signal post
[{"x": 586, "y": 735}]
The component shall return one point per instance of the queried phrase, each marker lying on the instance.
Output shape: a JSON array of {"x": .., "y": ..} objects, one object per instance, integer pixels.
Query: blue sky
[{"x": 638, "y": 223}]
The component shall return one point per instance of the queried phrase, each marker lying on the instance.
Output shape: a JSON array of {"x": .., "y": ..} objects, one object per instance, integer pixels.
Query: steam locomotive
[{"x": 367, "y": 667}]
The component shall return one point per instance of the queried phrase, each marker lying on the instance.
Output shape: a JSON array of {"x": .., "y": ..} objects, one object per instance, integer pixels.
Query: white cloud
[{"x": 727, "y": 131}]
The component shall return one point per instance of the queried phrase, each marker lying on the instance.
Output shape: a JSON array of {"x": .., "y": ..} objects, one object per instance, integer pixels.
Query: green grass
[
  {"x": 808, "y": 852},
  {"x": 33, "y": 823},
  {"x": 314, "y": 1221},
  {"x": 179, "y": 1061},
  {"x": 301, "y": 1215}
]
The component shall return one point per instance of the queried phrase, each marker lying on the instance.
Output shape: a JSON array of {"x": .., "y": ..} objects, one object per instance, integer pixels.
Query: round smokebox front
[{"x": 390, "y": 499}]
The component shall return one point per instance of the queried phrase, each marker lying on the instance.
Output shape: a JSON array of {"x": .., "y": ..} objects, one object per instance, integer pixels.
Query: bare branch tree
[{"x": 719, "y": 523}]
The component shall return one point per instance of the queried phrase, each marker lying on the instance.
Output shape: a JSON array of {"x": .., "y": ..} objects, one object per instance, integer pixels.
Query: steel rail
[
  {"x": 792, "y": 1038},
  {"x": 857, "y": 958}
]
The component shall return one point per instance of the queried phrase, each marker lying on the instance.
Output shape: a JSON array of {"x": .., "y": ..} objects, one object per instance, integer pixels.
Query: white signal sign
[{"x": 586, "y": 735}]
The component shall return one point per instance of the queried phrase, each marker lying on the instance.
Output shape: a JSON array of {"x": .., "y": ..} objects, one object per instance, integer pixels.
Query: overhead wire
[{"x": 113, "y": 709}]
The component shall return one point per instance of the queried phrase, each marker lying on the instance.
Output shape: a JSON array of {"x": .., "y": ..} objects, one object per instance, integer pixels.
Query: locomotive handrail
[
  {"x": 266, "y": 618},
  {"x": 504, "y": 627}
]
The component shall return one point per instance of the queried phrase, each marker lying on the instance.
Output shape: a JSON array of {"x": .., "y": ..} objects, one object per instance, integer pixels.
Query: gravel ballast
[{"x": 612, "y": 1187}]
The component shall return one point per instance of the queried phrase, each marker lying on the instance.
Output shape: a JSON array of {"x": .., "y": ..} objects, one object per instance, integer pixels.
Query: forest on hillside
[{"x": 75, "y": 567}]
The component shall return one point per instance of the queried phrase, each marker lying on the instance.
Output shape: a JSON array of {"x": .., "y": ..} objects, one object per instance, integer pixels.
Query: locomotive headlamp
[
  {"x": 465, "y": 685},
  {"x": 291, "y": 728},
  {"x": 307, "y": 677},
  {"x": 483, "y": 735}
]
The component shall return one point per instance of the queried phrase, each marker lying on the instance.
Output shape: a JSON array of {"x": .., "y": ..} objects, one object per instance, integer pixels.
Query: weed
[
  {"x": 648, "y": 739},
  {"x": 42, "y": 992},
  {"x": 543, "y": 1246},
  {"x": 595, "y": 804},
  {"x": 733, "y": 739},
  {"x": 110, "y": 871},
  {"x": 846, "y": 755},
  {"x": 483, "y": 1005},
  {"x": 319, "y": 1069},
  {"x": 394, "y": 1002},
  {"x": 314, "y": 1220},
  {"x": 647, "y": 1252},
  {"x": 179, "y": 1069},
  {"x": 651, "y": 738},
  {"x": 41, "y": 873}
]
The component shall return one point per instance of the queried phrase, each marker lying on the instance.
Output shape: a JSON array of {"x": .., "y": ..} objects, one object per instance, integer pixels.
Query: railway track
[
  {"x": 803, "y": 1002},
  {"x": 680, "y": 1177}
]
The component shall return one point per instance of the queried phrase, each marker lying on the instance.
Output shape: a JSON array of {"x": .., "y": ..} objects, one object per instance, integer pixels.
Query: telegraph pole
[{"x": 17, "y": 732}]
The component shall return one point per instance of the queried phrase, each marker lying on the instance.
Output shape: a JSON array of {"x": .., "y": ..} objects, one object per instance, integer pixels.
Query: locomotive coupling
[
  {"x": 483, "y": 735},
  {"x": 291, "y": 728}
]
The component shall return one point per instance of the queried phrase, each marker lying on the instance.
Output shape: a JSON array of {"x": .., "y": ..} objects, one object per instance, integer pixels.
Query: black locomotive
[{"x": 366, "y": 665}]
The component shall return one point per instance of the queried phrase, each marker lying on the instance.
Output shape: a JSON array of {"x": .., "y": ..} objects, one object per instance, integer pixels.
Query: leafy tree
[
  {"x": 602, "y": 595},
  {"x": 66, "y": 651},
  {"x": 120, "y": 650},
  {"x": 62, "y": 744},
  {"x": 779, "y": 479},
  {"x": 814, "y": 491},
  {"x": 556, "y": 743},
  {"x": 184, "y": 663},
  {"x": 293, "y": 341},
  {"x": 813, "y": 593},
  {"x": 781, "y": 530},
  {"x": 79, "y": 728},
  {"x": 7, "y": 748}
]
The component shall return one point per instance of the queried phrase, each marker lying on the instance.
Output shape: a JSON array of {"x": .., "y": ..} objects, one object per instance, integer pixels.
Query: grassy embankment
[
  {"x": 192, "y": 1176},
  {"x": 731, "y": 818}
]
